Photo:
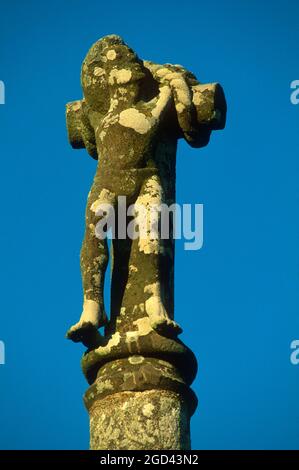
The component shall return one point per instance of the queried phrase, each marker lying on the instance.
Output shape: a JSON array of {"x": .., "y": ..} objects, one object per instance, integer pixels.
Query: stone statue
[{"x": 131, "y": 116}]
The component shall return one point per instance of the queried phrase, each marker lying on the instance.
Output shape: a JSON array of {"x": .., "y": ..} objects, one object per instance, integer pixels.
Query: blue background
[{"x": 237, "y": 298}]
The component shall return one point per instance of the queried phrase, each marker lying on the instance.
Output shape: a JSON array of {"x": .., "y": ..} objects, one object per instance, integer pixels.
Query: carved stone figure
[{"x": 131, "y": 116}]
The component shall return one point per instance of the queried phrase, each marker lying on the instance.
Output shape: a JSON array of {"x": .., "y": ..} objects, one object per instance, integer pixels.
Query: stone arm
[
  {"x": 80, "y": 131},
  {"x": 200, "y": 108}
]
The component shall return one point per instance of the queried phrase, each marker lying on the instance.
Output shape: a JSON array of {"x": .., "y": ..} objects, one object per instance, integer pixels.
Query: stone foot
[
  {"x": 86, "y": 334},
  {"x": 86, "y": 329},
  {"x": 159, "y": 318},
  {"x": 166, "y": 326}
]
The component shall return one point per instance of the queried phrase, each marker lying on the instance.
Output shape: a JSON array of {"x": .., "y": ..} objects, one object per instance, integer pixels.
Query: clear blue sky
[{"x": 237, "y": 298}]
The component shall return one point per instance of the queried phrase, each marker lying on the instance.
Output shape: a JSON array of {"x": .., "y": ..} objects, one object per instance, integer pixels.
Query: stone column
[
  {"x": 152, "y": 419},
  {"x": 139, "y": 402}
]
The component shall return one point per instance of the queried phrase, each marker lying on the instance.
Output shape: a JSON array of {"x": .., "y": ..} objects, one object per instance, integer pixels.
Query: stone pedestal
[
  {"x": 152, "y": 419},
  {"x": 140, "y": 402}
]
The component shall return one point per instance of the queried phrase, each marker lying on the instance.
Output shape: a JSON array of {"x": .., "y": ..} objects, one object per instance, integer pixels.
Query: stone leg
[
  {"x": 93, "y": 261},
  {"x": 148, "y": 258}
]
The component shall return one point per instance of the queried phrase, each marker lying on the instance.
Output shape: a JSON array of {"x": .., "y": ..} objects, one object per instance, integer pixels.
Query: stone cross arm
[{"x": 207, "y": 112}]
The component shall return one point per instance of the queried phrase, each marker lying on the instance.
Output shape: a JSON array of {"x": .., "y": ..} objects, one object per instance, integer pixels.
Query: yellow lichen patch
[
  {"x": 133, "y": 269},
  {"x": 136, "y": 359},
  {"x": 197, "y": 98},
  {"x": 99, "y": 260},
  {"x": 135, "y": 120},
  {"x": 153, "y": 305},
  {"x": 104, "y": 385},
  {"x": 92, "y": 229},
  {"x": 110, "y": 119},
  {"x": 98, "y": 72},
  {"x": 180, "y": 107},
  {"x": 172, "y": 76},
  {"x": 113, "y": 104},
  {"x": 106, "y": 197},
  {"x": 90, "y": 304},
  {"x": 152, "y": 66},
  {"x": 162, "y": 101},
  {"x": 97, "y": 279},
  {"x": 182, "y": 91},
  {"x": 147, "y": 410},
  {"x": 119, "y": 76},
  {"x": 199, "y": 91},
  {"x": 143, "y": 328},
  {"x": 114, "y": 341},
  {"x": 90, "y": 312},
  {"x": 111, "y": 55},
  {"x": 76, "y": 106},
  {"x": 102, "y": 135},
  {"x": 147, "y": 215},
  {"x": 162, "y": 72},
  {"x": 139, "y": 307}
]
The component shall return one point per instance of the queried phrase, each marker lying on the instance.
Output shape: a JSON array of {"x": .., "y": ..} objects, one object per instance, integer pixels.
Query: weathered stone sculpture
[{"x": 132, "y": 114}]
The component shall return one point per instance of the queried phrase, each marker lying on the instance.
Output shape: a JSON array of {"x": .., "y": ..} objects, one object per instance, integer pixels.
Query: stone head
[{"x": 110, "y": 64}]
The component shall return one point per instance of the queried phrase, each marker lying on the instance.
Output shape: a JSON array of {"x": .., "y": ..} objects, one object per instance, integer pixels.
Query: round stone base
[{"x": 147, "y": 420}]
